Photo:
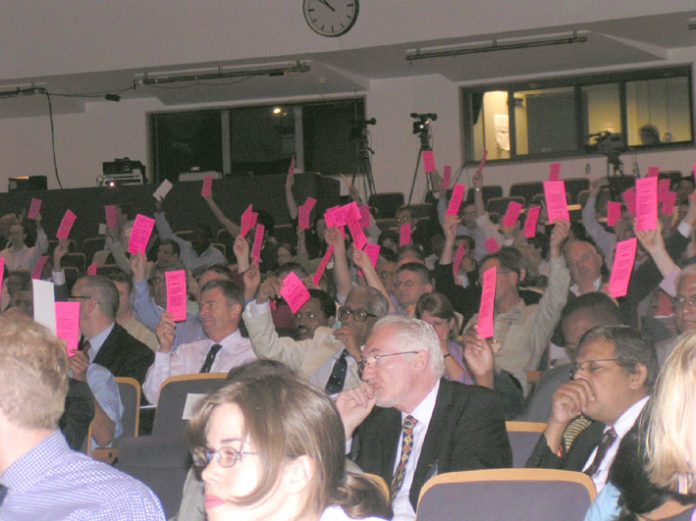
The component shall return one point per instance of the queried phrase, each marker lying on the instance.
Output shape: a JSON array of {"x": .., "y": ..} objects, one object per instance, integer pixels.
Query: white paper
[
  {"x": 192, "y": 400},
  {"x": 162, "y": 190},
  {"x": 44, "y": 304},
  {"x": 102, "y": 229}
]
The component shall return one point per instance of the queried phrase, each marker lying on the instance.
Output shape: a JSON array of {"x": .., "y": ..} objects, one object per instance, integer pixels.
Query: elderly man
[
  {"x": 684, "y": 311},
  {"x": 585, "y": 266},
  {"x": 613, "y": 373},
  {"x": 423, "y": 425},
  {"x": 41, "y": 477},
  {"x": 223, "y": 348}
]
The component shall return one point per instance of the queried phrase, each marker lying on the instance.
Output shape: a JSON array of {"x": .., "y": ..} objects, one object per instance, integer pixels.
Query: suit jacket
[
  {"x": 575, "y": 458},
  {"x": 466, "y": 432},
  {"x": 123, "y": 355}
]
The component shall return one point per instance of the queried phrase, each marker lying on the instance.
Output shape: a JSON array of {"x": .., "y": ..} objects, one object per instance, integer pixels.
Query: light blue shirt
[
  {"x": 105, "y": 391},
  {"x": 97, "y": 341},
  {"x": 605, "y": 506}
]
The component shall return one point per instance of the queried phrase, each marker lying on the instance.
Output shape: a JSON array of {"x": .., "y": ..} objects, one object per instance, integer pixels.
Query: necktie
[
  {"x": 338, "y": 374},
  {"x": 3, "y": 493},
  {"x": 406, "y": 447},
  {"x": 607, "y": 439},
  {"x": 210, "y": 358}
]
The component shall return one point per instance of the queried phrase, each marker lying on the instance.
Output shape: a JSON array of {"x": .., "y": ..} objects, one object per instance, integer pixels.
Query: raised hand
[
  {"x": 166, "y": 332},
  {"x": 269, "y": 289},
  {"x": 560, "y": 233},
  {"x": 252, "y": 281},
  {"x": 138, "y": 264}
]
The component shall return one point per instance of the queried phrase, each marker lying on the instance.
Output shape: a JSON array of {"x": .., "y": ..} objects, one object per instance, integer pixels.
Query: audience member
[
  {"x": 125, "y": 315},
  {"x": 412, "y": 282},
  {"x": 19, "y": 256}
]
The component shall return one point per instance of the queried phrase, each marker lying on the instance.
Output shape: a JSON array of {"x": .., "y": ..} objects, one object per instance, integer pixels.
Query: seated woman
[{"x": 273, "y": 448}]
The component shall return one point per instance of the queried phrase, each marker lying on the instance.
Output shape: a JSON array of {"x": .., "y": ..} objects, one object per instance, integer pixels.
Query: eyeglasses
[
  {"x": 584, "y": 259},
  {"x": 682, "y": 302},
  {"x": 404, "y": 219},
  {"x": 589, "y": 366},
  {"x": 359, "y": 315},
  {"x": 375, "y": 358},
  {"x": 79, "y": 297},
  {"x": 226, "y": 457},
  {"x": 305, "y": 314}
]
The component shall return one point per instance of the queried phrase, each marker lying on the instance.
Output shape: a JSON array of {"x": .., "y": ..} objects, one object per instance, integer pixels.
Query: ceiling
[{"x": 632, "y": 42}]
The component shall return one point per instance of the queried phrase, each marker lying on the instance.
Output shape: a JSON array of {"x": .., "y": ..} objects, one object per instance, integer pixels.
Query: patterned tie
[
  {"x": 406, "y": 447},
  {"x": 607, "y": 439},
  {"x": 3, "y": 493},
  {"x": 338, "y": 374},
  {"x": 210, "y": 358}
]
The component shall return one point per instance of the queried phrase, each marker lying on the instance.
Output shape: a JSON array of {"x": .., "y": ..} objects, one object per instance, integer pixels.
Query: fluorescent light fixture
[
  {"x": 497, "y": 45},
  {"x": 220, "y": 73}
]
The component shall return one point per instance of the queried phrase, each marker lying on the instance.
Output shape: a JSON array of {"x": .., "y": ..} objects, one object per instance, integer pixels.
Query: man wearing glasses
[
  {"x": 329, "y": 359},
  {"x": 612, "y": 376}
]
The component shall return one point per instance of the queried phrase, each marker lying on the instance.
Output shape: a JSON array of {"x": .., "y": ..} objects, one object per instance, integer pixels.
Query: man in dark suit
[
  {"x": 107, "y": 343},
  {"x": 422, "y": 425},
  {"x": 613, "y": 373}
]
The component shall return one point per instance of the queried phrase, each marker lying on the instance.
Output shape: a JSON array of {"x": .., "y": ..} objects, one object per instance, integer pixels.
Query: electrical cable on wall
[{"x": 53, "y": 137}]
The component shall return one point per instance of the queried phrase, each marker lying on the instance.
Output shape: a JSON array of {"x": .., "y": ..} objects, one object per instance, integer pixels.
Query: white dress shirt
[
  {"x": 401, "y": 504},
  {"x": 622, "y": 426},
  {"x": 189, "y": 358}
]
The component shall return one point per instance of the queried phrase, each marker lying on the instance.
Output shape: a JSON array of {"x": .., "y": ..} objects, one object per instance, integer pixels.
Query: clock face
[{"x": 330, "y": 17}]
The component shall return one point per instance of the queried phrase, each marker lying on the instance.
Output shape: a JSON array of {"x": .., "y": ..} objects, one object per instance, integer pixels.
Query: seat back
[
  {"x": 506, "y": 495},
  {"x": 527, "y": 190},
  {"x": 499, "y": 204},
  {"x": 576, "y": 185},
  {"x": 386, "y": 204},
  {"x": 523, "y": 437},
  {"x": 176, "y": 392},
  {"x": 129, "y": 389},
  {"x": 488, "y": 191}
]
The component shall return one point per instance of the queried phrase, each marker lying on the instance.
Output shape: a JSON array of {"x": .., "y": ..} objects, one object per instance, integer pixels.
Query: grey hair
[
  {"x": 415, "y": 335},
  {"x": 376, "y": 303},
  {"x": 106, "y": 293}
]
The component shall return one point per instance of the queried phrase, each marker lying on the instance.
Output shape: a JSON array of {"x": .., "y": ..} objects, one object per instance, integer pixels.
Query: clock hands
[{"x": 326, "y": 3}]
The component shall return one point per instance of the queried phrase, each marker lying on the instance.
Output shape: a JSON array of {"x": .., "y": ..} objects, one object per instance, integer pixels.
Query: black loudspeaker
[{"x": 34, "y": 182}]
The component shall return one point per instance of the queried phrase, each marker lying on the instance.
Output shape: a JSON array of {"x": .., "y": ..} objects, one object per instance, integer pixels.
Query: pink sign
[
  {"x": 66, "y": 225},
  {"x": 629, "y": 199},
  {"x": 207, "y": 188},
  {"x": 351, "y": 212},
  {"x": 291, "y": 168},
  {"x": 512, "y": 213},
  {"x": 249, "y": 220},
  {"x": 322, "y": 265},
  {"x": 38, "y": 267},
  {"x": 694, "y": 171},
  {"x": 663, "y": 187},
  {"x": 258, "y": 243},
  {"x": 530, "y": 224},
  {"x": 459, "y": 257},
  {"x": 669, "y": 203},
  {"x": 304, "y": 212},
  {"x": 556, "y": 201},
  {"x": 356, "y": 230},
  {"x": 646, "y": 204},
  {"x": 428, "y": 161},
  {"x": 92, "y": 269},
  {"x": 653, "y": 171},
  {"x": 457, "y": 198},
  {"x": 2, "y": 271},
  {"x": 405, "y": 231},
  {"x": 555, "y": 172},
  {"x": 34, "y": 208},
  {"x": 486, "y": 326},
  {"x": 492, "y": 245},
  {"x": 177, "y": 297},
  {"x": 446, "y": 178},
  {"x": 365, "y": 216},
  {"x": 372, "y": 251},
  {"x": 140, "y": 234},
  {"x": 621, "y": 271},
  {"x": 613, "y": 213},
  {"x": 111, "y": 217},
  {"x": 294, "y": 292},
  {"x": 68, "y": 325},
  {"x": 482, "y": 164}
]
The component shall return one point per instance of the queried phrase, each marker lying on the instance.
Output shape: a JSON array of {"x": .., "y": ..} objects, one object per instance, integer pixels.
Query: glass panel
[
  {"x": 492, "y": 123},
  {"x": 658, "y": 111},
  {"x": 545, "y": 121},
  {"x": 602, "y": 109}
]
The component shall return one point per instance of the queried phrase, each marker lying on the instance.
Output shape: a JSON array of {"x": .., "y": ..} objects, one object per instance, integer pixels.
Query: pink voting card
[
  {"x": 555, "y": 172},
  {"x": 512, "y": 213},
  {"x": 207, "y": 188},
  {"x": 405, "y": 232},
  {"x": 556, "y": 201},
  {"x": 358, "y": 234},
  {"x": 482, "y": 164},
  {"x": 530, "y": 224},
  {"x": 459, "y": 257},
  {"x": 322, "y": 265},
  {"x": 621, "y": 271},
  {"x": 111, "y": 216},
  {"x": 613, "y": 213},
  {"x": 663, "y": 186},
  {"x": 428, "y": 161},
  {"x": 294, "y": 292},
  {"x": 694, "y": 171},
  {"x": 38, "y": 267},
  {"x": 646, "y": 204},
  {"x": 177, "y": 297},
  {"x": 365, "y": 216},
  {"x": 351, "y": 212},
  {"x": 372, "y": 251},
  {"x": 249, "y": 219},
  {"x": 291, "y": 168},
  {"x": 456, "y": 201},
  {"x": 492, "y": 245},
  {"x": 2, "y": 271},
  {"x": 334, "y": 218},
  {"x": 669, "y": 203},
  {"x": 653, "y": 171},
  {"x": 66, "y": 225},
  {"x": 629, "y": 199},
  {"x": 304, "y": 212},
  {"x": 34, "y": 208},
  {"x": 446, "y": 178},
  {"x": 140, "y": 234},
  {"x": 92, "y": 269},
  {"x": 258, "y": 243},
  {"x": 485, "y": 326},
  {"x": 68, "y": 325}
]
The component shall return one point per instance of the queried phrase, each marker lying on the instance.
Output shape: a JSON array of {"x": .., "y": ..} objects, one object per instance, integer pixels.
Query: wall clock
[{"x": 330, "y": 17}]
